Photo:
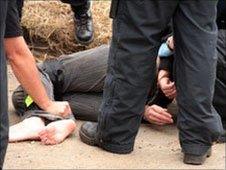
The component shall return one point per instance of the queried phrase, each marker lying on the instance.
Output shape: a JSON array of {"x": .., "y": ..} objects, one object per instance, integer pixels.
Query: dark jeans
[
  {"x": 137, "y": 31},
  {"x": 3, "y": 87}
]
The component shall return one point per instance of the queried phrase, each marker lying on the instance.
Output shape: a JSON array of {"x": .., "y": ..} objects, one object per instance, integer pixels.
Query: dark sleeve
[
  {"x": 166, "y": 63},
  {"x": 13, "y": 28},
  {"x": 221, "y": 14},
  {"x": 167, "y": 32},
  {"x": 158, "y": 98}
]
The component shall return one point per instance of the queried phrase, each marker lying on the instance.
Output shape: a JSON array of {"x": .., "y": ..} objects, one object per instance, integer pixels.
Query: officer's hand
[
  {"x": 59, "y": 108},
  {"x": 157, "y": 115},
  {"x": 170, "y": 42}
]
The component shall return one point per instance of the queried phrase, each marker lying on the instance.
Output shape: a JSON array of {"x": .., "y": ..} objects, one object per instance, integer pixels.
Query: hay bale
[{"x": 49, "y": 27}]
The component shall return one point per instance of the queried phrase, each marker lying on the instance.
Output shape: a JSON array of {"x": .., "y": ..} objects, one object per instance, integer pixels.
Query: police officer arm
[{"x": 24, "y": 66}]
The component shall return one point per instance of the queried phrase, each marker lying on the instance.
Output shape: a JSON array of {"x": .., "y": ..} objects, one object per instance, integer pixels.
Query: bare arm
[{"x": 24, "y": 67}]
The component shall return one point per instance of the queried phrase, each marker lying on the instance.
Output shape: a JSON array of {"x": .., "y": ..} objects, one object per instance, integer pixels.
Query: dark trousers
[
  {"x": 20, "y": 4},
  {"x": 3, "y": 87},
  {"x": 220, "y": 83},
  {"x": 84, "y": 74},
  {"x": 78, "y": 6},
  {"x": 80, "y": 79},
  {"x": 137, "y": 30},
  {"x": 77, "y": 78}
]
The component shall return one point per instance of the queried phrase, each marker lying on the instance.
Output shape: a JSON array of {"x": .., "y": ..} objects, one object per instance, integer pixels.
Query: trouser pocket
[{"x": 114, "y": 8}]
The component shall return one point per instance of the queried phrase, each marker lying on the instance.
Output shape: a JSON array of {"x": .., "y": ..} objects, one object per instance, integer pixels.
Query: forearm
[{"x": 24, "y": 68}]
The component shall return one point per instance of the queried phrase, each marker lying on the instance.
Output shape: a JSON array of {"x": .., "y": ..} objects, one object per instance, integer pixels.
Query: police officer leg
[
  {"x": 220, "y": 83},
  {"x": 198, "y": 122},
  {"x": 83, "y": 20},
  {"x": 137, "y": 28}
]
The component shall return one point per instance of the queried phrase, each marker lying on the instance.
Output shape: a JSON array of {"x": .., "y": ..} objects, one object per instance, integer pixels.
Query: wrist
[
  {"x": 163, "y": 74},
  {"x": 45, "y": 105},
  {"x": 162, "y": 77}
]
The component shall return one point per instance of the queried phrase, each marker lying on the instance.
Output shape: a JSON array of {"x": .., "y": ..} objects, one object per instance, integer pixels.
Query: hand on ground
[{"x": 157, "y": 115}]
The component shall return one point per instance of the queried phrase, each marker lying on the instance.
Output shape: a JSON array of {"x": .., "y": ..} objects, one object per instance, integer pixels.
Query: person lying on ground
[{"x": 77, "y": 78}]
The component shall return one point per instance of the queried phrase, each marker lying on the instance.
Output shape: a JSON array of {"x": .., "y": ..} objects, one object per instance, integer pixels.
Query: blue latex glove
[{"x": 164, "y": 51}]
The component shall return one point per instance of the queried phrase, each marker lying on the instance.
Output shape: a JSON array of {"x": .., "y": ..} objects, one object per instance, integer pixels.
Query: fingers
[
  {"x": 168, "y": 88},
  {"x": 171, "y": 95},
  {"x": 158, "y": 115},
  {"x": 66, "y": 109},
  {"x": 156, "y": 123},
  {"x": 60, "y": 108},
  {"x": 161, "y": 111},
  {"x": 170, "y": 42}
]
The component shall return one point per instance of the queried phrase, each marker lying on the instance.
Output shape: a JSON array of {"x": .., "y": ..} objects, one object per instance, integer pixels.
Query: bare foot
[
  {"x": 28, "y": 129},
  {"x": 56, "y": 132}
]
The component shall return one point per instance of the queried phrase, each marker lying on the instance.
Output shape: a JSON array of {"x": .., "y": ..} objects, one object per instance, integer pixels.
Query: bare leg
[
  {"x": 26, "y": 130},
  {"x": 56, "y": 132}
]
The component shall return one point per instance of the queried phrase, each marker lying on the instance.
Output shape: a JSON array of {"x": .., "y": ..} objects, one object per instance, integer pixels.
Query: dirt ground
[{"x": 155, "y": 148}]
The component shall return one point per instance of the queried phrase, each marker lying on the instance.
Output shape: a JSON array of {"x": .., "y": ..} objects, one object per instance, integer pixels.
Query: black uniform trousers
[
  {"x": 137, "y": 31},
  {"x": 78, "y": 6},
  {"x": 3, "y": 87},
  {"x": 220, "y": 83}
]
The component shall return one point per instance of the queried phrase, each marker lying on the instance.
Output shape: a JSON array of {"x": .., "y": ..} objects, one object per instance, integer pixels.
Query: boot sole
[
  {"x": 198, "y": 160},
  {"x": 86, "y": 139}
]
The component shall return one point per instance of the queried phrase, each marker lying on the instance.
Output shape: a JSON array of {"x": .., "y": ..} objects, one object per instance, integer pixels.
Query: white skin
[
  {"x": 170, "y": 42},
  {"x": 33, "y": 128},
  {"x": 168, "y": 87},
  {"x": 155, "y": 114}
]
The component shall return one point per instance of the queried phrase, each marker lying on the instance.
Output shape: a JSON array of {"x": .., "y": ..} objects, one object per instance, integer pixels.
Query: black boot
[
  {"x": 196, "y": 159},
  {"x": 88, "y": 133},
  {"x": 84, "y": 33}
]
